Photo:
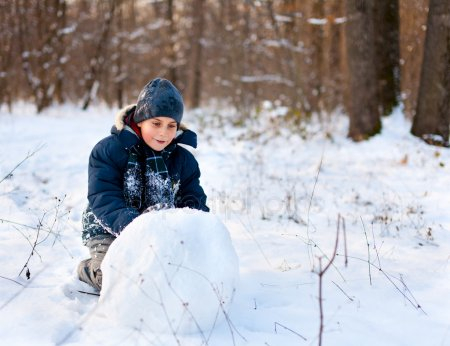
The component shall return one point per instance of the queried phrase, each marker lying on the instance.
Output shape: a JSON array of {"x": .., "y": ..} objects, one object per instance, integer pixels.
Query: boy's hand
[{"x": 157, "y": 206}]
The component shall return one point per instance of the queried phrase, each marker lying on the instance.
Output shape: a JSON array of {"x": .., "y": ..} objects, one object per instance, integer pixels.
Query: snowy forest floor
[{"x": 280, "y": 193}]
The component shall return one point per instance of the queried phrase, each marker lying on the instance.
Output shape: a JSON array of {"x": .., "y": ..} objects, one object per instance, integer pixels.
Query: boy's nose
[{"x": 162, "y": 132}]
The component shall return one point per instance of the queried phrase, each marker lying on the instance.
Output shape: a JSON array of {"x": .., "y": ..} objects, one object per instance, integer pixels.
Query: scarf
[{"x": 147, "y": 183}]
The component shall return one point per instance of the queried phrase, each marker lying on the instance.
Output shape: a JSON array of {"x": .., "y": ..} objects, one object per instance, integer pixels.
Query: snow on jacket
[{"x": 107, "y": 211}]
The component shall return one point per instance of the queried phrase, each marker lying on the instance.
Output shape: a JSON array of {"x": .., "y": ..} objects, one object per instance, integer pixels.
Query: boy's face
[{"x": 158, "y": 132}]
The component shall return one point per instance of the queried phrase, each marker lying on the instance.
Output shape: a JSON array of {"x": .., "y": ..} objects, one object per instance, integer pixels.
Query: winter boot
[{"x": 87, "y": 275}]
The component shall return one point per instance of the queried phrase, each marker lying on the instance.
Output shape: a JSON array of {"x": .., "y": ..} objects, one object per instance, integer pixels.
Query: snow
[
  {"x": 278, "y": 191},
  {"x": 176, "y": 268},
  {"x": 324, "y": 21},
  {"x": 266, "y": 78},
  {"x": 318, "y": 21}
]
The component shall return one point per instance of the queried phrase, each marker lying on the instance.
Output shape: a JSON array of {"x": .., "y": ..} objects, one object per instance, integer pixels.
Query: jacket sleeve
[
  {"x": 105, "y": 187},
  {"x": 190, "y": 193}
]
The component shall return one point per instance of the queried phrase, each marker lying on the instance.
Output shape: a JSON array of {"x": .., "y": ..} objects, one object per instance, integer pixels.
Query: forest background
[{"x": 363, "y": 57}]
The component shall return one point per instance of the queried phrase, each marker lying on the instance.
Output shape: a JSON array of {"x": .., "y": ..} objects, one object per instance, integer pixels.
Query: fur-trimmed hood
[
  {"x": 184, "y": 135},
  {"x": 119, "y": 121}
]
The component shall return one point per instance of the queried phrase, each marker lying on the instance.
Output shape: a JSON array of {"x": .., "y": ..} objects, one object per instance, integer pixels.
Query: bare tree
[
  {"x": 7, "y": 49},
  {"x": 224, "y": 58},
  {"x": 432, "y": 119},
  {"x": 363, "y": 99},
  {"x": 171, "y": 42},
  {"x": 195, "y": 80},
  {"x": 387, "y": 52},
  {"x": 40, "y": 31},
  {"x": 317, "y": 55},
  {"x": 333, "y": 55},
  {"x": 118, "y": 58},
  {"x": 97, "y": 61},
  {"x": 296, "y": 36},
  {"x": 413, "y": 18}
]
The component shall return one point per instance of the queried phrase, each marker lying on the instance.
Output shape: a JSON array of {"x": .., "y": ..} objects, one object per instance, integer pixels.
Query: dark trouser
[{"x": 89, "y": 269}]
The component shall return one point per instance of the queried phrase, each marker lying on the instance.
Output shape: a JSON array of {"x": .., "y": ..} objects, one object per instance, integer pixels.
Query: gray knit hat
[{"x": 159, "y": 98}]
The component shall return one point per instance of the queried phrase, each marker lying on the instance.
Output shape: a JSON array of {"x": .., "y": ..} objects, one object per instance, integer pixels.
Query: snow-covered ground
[{"x": 280, "y": 195}]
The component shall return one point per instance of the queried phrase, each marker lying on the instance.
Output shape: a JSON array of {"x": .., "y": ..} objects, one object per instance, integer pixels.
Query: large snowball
[{"x": 170, "y": 271}]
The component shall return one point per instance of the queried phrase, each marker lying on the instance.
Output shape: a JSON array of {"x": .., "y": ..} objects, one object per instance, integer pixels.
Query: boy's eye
[
  {"x": 172, "y": 126},
  {"x": 156, "y": 123}
]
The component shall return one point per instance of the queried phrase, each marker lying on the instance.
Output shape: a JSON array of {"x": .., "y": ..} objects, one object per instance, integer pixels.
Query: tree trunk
[
  {"x": 60, "y": 51},
  {"x": 332, "y": 63},
  {"x": 195, "y": 85},
  {"x": 120, "y": 74},
  {"x": 387, "y": 52},
  {"x": 98, "y": 60},
  {"x": 431, "y": 121},
  {"x": 362, "y": 88},
  {"x": 39, "y": 33},
  {"x": 6, "y": 47},
  {"x": 317, "y": 57},
  {"x": 413, "y": 19},
  {"x": 171, "y": 40}
]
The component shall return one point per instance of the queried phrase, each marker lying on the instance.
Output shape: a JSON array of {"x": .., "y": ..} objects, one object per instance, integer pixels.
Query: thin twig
[
  {"x": 375, "y": 247},
  {"x": 345, "y": 242},
  {"x": 17, "y": 282},
  {"x": 90, "y": 293},
  {"x": 368, "y": 251},
  {"x": 28, "y": 240},
  {"x": 219, "y": 298},
  {"x": 335, "y": 246},
  {"x": 39, "y": 226},
  {"x": 349, "y": 298},
  {"x": 289, "y": 329},
  {"x": 406, "y": 288},
  {"x": 54, "y": 221},
  {"x": 321, "y": 273},
  {"x": 326, "y": 257},
  {"x": 247, "y": 228},
  {"x": 310, "y": 254},
  {"x": 42, "y": 229},
  {"x": 389, "y": 277},
  {"x": 17, "y": 223},
  {"x": 9, "y": 175}
]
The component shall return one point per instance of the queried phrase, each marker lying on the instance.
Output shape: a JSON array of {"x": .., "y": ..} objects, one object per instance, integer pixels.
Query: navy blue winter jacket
[{"x": 107, "y": 212}]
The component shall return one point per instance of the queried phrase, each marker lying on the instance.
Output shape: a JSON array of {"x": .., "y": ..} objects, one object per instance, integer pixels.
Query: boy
[{"x": 138, "y": 168}]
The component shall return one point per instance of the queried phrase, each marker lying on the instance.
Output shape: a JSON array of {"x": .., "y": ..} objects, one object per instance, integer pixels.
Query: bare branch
[
  {"x": 368, "y": 251},
  {"x": 345, "y": 242},
  {"x": 309, "y": 211},
  {"x": 375, "y": 247},
  {"x": 9, "y": 175},
  {"x": 349, "y": 298},
  {"x": 321, "y": 273},
  {"x": 289, "y": 329},
  {"x": 17, "y": 282},
  {"x": 32, "y": 249},
  {"x": 390, "y": 277}
]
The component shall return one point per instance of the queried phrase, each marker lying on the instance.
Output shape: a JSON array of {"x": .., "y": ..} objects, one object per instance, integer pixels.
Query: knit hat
[{"x": 159, "y": 98}]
